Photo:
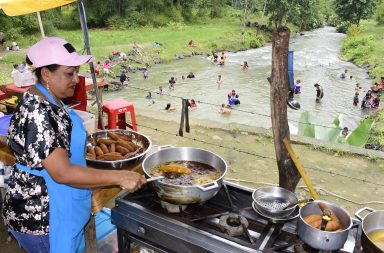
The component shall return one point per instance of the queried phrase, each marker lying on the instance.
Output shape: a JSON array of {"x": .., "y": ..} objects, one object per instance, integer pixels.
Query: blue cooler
[
  {"x": 104, "y": 227},
  {"x": 4, "y": 125}
]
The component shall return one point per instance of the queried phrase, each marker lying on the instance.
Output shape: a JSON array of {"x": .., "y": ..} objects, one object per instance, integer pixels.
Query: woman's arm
[{"x": 62, "y": 171}]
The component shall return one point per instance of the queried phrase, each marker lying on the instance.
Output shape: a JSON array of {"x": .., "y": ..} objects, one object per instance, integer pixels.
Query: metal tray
[{"x": 139, "y": 139}]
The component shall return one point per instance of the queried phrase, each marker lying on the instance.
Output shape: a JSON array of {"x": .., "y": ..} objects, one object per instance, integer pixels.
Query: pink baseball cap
[{"x": 53, "y": 50}]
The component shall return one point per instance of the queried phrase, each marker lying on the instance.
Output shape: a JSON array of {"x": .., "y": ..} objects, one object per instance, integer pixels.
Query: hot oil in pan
[
  {"x": 377, "y": 237},
  {"x": 201, "y": 173}
]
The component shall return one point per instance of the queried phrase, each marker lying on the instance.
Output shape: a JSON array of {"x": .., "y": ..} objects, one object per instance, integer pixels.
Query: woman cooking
[{"x": 48, "y": 201}]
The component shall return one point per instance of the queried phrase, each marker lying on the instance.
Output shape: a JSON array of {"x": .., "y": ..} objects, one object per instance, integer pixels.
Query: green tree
[
  {"x": 379, "y": 14},
  {"x": 309, "y": 15},
  {"x": 353, "y": 11}
]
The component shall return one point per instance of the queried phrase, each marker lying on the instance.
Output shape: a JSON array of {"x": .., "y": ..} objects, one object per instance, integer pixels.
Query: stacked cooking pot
[
  {"x": 278, "y": 204},
  {"x": 275, "y": 203}
]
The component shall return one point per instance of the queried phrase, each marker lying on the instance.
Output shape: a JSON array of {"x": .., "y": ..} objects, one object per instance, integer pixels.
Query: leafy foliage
[
  {"x": 354, "y": 11},
  {"x": 306, "y": 14},
  {"x": 358, "y": 48},
  {"x": 361, "y": 134},
  {"x": 379, "y": 14},
  {"x": 309, "y": 126}
]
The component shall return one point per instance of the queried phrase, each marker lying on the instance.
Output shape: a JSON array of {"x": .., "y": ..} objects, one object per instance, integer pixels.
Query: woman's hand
[
  {"x": 64, "y": 172},
  {"x": 132, "y": 181}
]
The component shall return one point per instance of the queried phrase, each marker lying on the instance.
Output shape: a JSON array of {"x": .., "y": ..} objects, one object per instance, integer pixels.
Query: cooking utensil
[
  {"x": 285, "y": 219},
  {"x": 182, "y": 194},
  {"x": 319, "y": 239},
  {"x": 372, "y": 223},
  {"x": 297, "y": 203},
  {"x": 300, "y": 169},
  {"x": 272, "y": 200},
  {"x": 151, "y": 179},
  {"x": 136, "y": 137}
]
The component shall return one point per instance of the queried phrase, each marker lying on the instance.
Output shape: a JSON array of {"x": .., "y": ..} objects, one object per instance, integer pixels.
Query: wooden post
[
  {"x": 40, "y": 24},
  {"x": 90, "y": 236},
  {"x": 288, "y": 175}
]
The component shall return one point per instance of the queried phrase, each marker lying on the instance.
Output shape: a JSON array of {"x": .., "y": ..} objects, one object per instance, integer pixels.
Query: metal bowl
[
  {"x": 272, "y": 201},
  {"x": 136, "y": 137}
]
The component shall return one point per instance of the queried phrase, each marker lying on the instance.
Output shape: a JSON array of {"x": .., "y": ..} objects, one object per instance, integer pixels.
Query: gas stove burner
[
  {"x": 233, "y": 224},
  {"x": 173, "y": 208},
  {"x": 141, "y": 217}
]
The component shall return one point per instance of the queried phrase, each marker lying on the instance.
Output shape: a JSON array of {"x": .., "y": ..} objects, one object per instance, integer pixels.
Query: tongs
[
  {"x": 171, "y": 171},
  {"x": 303, "y": 201}
]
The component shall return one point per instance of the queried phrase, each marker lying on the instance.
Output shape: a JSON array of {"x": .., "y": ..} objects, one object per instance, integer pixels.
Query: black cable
[
  {"x": 261, "y": 156},
  {"x": 240, "y": 110}
]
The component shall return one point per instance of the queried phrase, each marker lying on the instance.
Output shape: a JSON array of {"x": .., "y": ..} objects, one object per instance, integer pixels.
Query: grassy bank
[
  {"x": 216, "y": 35},
  {"x": 365, "y": 47}
]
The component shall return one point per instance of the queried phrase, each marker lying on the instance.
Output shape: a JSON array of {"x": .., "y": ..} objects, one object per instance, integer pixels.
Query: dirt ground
[{"x": 351, "y": 181}]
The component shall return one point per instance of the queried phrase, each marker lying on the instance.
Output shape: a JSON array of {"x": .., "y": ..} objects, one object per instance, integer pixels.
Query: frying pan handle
[
  {"x": 358, "y": 212},
  {"x": 165, "y": 147},
  {"x": 208, "y": 187}
]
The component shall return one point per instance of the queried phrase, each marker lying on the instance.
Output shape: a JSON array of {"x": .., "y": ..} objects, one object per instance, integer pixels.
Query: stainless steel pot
[
  {"x": 180, "y": 194},
  {"x": 319, "y": 239},
  {"x": 373, "y": 221}
]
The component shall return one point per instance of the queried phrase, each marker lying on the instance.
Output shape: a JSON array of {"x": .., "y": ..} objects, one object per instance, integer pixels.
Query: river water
[{"x": 316, "y": 60}]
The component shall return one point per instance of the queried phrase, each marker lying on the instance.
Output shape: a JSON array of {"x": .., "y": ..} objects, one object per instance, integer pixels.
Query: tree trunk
[{"x": 288, "y": 174}]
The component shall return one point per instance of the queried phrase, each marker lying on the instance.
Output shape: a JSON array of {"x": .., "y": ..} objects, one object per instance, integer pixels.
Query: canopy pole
[
  {"x": 84, "y": 27},
  {"x": 40, "y": 24}
]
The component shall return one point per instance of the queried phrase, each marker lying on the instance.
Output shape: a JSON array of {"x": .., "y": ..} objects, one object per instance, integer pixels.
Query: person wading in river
[{"x": 319, "y": 92}]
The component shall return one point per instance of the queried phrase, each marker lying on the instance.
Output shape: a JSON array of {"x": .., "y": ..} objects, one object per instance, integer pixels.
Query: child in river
[
  {"x": 219, "y": 81},
  {"x": 171, "y": 83},
  {"x": 145, "y": 75},
  {"x": 298, "y": 87},
  {"x": 225, "y": 109},
  {"x": 356, "y": 99},
  {"x": 345, "y": 132},
  {"x": 245, "y": 65},
  {"x": 358, "y": 88}
]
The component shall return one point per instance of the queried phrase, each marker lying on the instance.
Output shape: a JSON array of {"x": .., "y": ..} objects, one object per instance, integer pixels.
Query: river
[{"x": 316, "y": 60}]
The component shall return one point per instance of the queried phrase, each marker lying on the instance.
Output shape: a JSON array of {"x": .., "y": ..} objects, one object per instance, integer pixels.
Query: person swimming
[
  {"x": 192, "y": 104},
  {"x": 225, "y": 109},
  {"x": 169, "y": 108},
  {"x": 245, "y": 65},
  {"x": 190, "y": 75}
]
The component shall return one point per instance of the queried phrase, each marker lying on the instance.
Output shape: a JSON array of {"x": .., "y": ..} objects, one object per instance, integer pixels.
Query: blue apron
[{"x": 69, "y": 207}]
